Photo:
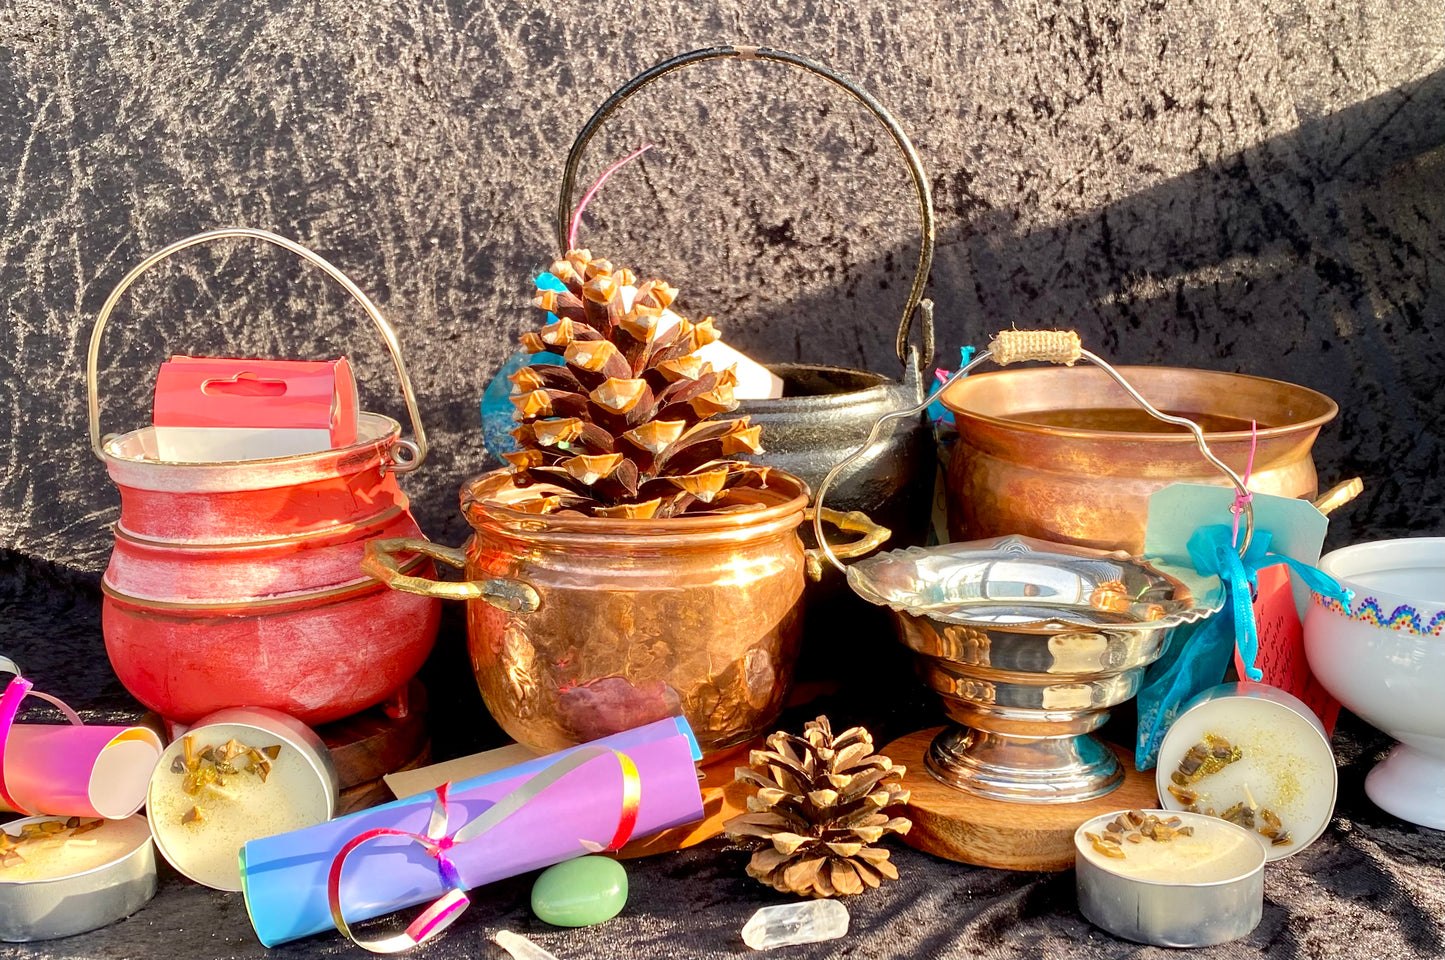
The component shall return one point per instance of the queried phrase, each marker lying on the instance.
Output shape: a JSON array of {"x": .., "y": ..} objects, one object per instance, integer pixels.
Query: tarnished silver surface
[{"x": 1029, "y": 644}]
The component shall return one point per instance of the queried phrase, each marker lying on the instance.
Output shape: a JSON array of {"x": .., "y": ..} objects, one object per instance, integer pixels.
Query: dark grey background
[{"x": 1229, "y": 184}]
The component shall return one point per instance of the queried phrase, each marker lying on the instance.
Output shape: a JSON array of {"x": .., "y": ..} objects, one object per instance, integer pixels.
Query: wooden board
[
  {"x": 722, "y": 799},
  {"x": 408, "y": 783},
  {"x": 364, "y": 795},
  {"x": 368, "y": 745},
  {"x": 955, "y": 825}
]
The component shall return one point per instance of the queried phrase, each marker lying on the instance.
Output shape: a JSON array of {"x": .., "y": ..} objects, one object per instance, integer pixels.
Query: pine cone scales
[
  {"x": 819, "y": 807},
  {"x": 618, "y": 429}
]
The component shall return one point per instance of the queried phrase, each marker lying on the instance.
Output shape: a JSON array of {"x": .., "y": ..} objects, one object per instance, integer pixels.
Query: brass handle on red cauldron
[
  {"x": 417, "y": 449},
  {"x": 910, "y": 156},
  {"x": 1049, "y": 346},
  {"x": 379, "y": 561}
]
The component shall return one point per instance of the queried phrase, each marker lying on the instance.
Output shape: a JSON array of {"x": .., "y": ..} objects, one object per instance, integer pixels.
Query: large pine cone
[
  {"x": 624, "y": 426},
  {"x": 819, "y": 806}
]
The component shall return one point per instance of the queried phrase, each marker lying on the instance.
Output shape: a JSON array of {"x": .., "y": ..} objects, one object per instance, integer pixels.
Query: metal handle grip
[
  {"x": 854, "y": 521},
  {"x": 1053, "y": 346},
  {"x": 379, "y": 561},
  {"x": 910, "y": 156},
  {"x": 418, "y": 447}
]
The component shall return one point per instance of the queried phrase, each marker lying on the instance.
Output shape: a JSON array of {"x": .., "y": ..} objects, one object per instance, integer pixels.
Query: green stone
[{"x": 580, "y": 892}]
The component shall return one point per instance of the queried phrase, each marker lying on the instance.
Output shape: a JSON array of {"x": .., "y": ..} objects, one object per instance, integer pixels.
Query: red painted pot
[{"x": 239, "y": 584}]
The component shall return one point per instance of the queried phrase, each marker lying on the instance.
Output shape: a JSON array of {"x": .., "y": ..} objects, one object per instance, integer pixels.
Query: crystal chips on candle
[{"x": 1255, "y": 756}]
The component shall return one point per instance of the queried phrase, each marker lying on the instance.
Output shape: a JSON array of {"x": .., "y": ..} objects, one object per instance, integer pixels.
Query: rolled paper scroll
[
  {"x": 73, "y": 770},
  {"x": 556, "y": 807}
]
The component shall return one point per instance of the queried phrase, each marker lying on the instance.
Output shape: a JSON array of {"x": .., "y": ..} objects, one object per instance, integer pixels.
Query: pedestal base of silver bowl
[{"x": 1064, "y": 769}]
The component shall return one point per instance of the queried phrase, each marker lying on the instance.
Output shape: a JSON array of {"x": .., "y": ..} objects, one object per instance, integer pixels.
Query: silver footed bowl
[{"x": 1030, "y": 643}]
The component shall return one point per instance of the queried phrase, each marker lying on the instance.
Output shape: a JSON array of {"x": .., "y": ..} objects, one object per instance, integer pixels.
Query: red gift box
[{"x": 213, "y": 409}]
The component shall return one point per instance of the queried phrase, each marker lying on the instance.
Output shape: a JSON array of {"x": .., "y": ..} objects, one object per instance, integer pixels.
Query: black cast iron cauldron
[{"x": 826, "y": 413}]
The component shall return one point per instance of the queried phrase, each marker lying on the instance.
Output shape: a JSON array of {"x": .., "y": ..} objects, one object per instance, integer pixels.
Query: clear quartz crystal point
[
  {"x": 808, "y": 922},
  {"x": 520, "y": 947}
]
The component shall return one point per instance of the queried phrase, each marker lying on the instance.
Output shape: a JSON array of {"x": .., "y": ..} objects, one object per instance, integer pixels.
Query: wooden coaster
[
  {"x": 367, "y": 745},
  {"x": 722, "y": 799},
  {"x": 955, "y": 825},
  {"x": 371, "y": 794}
]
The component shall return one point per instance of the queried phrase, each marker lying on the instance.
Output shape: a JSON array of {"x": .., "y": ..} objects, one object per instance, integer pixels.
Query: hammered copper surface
[
  {"x": 1085, "y": 484},
  {"x": 637, "y": 620}
]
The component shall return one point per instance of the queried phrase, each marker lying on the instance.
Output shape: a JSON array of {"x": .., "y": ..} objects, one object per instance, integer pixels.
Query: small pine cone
[{"x": 819, "y": 807}]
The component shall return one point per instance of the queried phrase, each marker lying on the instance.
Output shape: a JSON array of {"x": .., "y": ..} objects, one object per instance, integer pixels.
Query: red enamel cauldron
[{"x": 239, "y": 583}]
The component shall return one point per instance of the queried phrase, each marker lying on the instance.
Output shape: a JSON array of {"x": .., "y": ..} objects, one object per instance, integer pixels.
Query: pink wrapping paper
[{"x": 70, "y": 770}]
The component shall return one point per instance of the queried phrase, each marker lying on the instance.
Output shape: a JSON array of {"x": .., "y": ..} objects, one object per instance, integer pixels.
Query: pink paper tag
[{"x": 1282, "y": 646}]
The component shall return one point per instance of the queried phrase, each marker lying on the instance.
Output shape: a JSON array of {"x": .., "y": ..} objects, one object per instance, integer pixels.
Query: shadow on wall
[{"x": 1317, "y": 257}]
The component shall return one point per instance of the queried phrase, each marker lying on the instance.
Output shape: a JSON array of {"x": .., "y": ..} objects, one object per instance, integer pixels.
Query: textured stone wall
[{"x": 1233, "y": 184}]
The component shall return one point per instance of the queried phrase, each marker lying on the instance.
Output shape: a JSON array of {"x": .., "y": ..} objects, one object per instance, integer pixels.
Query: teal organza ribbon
[
  {"x": 1198, "y": 654},
  {"x": 497, "y": 409},
  {"x": 937, "y": 412}
]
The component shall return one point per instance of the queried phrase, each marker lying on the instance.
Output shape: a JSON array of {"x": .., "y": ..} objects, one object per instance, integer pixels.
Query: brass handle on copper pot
[
  {"x": 895, "y": 130},
  {"x": 415, "y": 449},
  {"x": 379, "y": 561},
  {"x": 1338, "y": 495},
  {"x": 854, "y": 521}
]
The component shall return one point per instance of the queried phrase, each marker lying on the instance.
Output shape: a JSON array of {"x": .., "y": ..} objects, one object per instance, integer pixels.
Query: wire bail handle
[
  {"x": 910, "y": 155},
  {"x": 417, "y": 448},
  {"x": 1049, "y": 346}
]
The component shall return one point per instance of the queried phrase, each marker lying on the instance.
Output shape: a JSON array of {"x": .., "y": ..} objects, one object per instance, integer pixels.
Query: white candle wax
[
  {"x": 67, "y": 853},
  {"x": 1284, "y": 766},
  {"x": 1212, "y": 853},
  {"x": 202, "y": 833},
  {"x": 1171, "y": 879}
]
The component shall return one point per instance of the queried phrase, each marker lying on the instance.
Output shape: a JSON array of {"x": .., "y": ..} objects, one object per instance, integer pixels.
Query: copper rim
[
  {"x": 955, "y": 396},
  {"x": 788, "y": 493}
]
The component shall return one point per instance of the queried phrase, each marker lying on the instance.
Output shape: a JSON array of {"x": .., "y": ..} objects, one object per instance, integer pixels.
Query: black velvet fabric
[{"x": 1210, "y": 183}]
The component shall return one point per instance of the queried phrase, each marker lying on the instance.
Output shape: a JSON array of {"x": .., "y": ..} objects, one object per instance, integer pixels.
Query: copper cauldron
[
  {"x": 1063, "y": 454},
  {"x": 580, "y": 627}
]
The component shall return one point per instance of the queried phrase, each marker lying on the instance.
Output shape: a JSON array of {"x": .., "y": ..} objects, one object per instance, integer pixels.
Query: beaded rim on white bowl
[{"x": 1384, "y": 608}]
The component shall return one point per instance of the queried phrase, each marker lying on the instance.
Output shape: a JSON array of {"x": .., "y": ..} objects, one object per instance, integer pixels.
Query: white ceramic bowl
[{"x": 1383, "y": 657}]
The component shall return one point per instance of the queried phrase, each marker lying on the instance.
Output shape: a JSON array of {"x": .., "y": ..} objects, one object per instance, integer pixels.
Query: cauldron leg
[{"x": 398, "y": 704}]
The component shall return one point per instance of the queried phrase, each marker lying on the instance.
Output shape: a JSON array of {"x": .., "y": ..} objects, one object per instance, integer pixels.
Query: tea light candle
[
  {"x": 1171, "y": 879},
  {"x": 47, "y": 848},
  {"x": 224, "y": 783},
  {"x": 61, "y": 876},
  {"x": 1254, "y": 755}
]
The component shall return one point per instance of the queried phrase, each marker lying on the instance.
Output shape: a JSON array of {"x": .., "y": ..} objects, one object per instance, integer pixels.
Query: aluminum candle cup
[
  {"x": 237, "y": 775},
  {"x": 74, "y": 879},
  {"x": 1189, "y": 891},
  {"x": 1255, "y": 755}
]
